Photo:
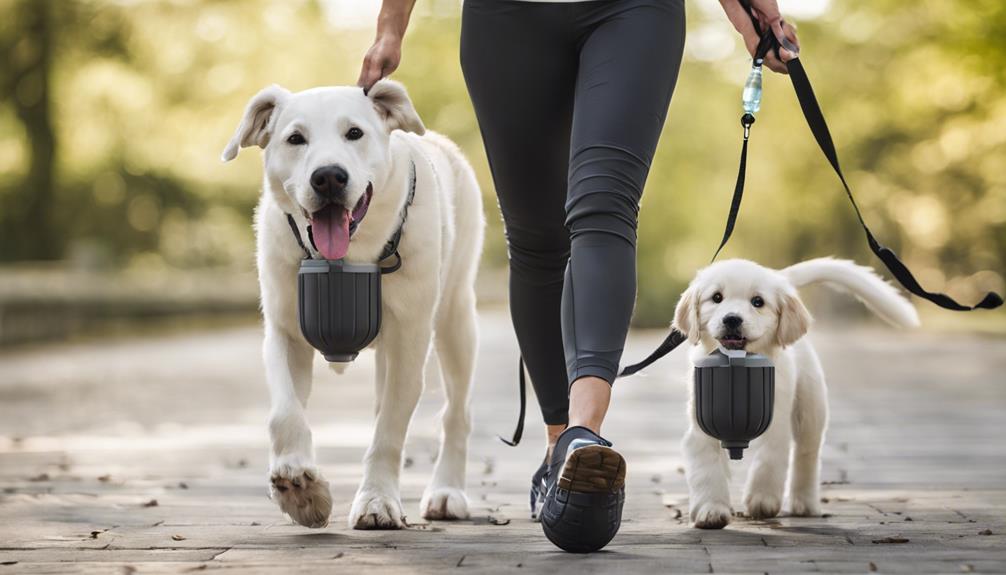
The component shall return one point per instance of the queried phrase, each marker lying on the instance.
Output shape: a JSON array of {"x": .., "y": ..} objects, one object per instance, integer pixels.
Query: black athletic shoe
[
  {"x": 539, "y": 485},
  {"x": 586, "y": 490}
]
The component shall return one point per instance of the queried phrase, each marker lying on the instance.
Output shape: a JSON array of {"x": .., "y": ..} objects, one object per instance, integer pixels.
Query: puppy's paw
[
  {"x": 301, "y": 492},
  {"x": 373, "y": 509},
  {"x": 444, "y": 503},
  {"x": 762, "y": 505},
  {"x": 710, "y": 515},
  {"x": 805, "y": 505}
]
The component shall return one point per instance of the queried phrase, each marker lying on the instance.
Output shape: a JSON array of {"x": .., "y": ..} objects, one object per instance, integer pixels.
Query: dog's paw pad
[
  {"x": 711, "y": 515},
  {"x": 762, "y": 506},
  {"x": 374, "y": 510},
  {"x": 301, "y": 493},
  {"x": 444, "y": 503}
]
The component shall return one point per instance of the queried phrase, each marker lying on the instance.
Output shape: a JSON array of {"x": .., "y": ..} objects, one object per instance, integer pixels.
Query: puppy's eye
[
  {"x": 296, "y": 139},
  {"x": 717, "y": 297},
  {"x": 354, "y": 133},
  {"x": 757, "y": 301}
]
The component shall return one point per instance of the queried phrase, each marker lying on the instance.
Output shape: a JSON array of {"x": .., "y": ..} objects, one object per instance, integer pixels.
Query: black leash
[
  {"x": 390, "y": 247},
  {"x": 819, "y": 128}
]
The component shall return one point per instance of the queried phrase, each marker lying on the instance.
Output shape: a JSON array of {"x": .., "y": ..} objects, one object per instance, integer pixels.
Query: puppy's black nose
[
  {"x": 329, "y": 181},
  {"x": 733, "y": 321}
]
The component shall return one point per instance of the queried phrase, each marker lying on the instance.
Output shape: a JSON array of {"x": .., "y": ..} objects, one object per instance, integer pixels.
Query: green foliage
[{"x": 141, "y": 97}]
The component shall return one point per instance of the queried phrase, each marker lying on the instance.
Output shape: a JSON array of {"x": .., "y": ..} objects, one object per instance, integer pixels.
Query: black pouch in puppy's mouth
[
  {"x": 734, "y": 397},
  {"x": 339, "y": 305}
]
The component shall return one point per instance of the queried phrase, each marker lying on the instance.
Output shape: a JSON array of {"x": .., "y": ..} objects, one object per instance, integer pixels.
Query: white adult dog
[
  {"x": 741, "y": 305},
  {"x": 332, "y": 156}
]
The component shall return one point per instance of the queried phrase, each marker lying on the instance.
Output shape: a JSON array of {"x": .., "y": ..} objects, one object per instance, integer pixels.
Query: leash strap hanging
[
  {"x": 518, "y": 433},
  {"x": 818, "y": 127}
]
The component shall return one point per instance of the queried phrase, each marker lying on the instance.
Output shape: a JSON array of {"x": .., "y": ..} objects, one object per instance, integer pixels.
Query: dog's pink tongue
[{"x": 330, "y": 229}]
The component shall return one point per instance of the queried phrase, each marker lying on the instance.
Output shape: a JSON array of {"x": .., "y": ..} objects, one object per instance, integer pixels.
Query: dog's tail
[{"x": 843, "y": 275}]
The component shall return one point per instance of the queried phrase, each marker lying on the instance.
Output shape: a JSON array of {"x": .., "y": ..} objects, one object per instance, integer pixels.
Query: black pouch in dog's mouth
[
  {"x": 339, "y": 305},
  {"x": 734, "y": 397}
]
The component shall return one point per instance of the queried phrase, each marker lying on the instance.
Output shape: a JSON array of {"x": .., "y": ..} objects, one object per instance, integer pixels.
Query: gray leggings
[{"x": 571, "y": 99}]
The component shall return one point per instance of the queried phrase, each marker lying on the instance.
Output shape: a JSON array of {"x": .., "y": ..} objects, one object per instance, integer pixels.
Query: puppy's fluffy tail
[{"x": 843, "y": 275}]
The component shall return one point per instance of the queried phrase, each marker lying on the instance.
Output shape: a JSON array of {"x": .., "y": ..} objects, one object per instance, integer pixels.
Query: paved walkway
[{"x": 150, "y": 456}]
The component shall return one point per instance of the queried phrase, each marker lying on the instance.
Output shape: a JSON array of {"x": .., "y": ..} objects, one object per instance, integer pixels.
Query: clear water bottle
[{"x": 751, "y": 97}]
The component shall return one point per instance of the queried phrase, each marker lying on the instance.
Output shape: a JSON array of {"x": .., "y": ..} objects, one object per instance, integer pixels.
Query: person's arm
[
  {"x": 383, "y": 57},
  {"x": 767, "y": 13}
]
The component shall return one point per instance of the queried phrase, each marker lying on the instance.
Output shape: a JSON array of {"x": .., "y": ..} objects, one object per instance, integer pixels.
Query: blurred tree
[{"x": 27, "y": 225}]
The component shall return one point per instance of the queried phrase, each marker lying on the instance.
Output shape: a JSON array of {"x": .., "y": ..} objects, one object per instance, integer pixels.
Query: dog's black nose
[
  {"x": 329, "y": 181},
  {"x": 733, "y": 321}
]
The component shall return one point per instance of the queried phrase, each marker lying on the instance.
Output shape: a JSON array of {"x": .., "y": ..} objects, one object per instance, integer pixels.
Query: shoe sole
[{"x": 593, "y": 469}]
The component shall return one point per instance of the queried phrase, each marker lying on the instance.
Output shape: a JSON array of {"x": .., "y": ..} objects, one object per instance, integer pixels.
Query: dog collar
[{"x": 390, "y": 247}]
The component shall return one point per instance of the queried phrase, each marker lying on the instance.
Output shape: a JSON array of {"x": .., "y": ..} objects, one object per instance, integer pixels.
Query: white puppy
[
  {"x": 741, "y": 305},
  {"x": 340, "y": 160}
]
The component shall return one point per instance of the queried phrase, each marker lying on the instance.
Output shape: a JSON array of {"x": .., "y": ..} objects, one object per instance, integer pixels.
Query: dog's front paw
[
  {"x": 444, "y": 503},
  {"x": 373, "y": 509},
  {"x": 301, "y": 492},
  {"x": 805, "y": 506},
  {"x": 762, "y": 505},
  {"x": 711, "y": 515}
]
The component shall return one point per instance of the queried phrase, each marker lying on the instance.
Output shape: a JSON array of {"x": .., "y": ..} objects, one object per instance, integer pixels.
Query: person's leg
[
  {"x": 629, "y": 61},
  {"x": 520, "y": 68}
]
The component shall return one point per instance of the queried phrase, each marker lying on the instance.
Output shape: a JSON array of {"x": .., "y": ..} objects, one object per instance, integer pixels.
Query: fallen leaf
[
  {"x": 887, "y": 540},
  {"x": 105, "y": 478},
  {"x": 985, "y": 532},
  {"x": 498, "y": 519},
  {"x": 178, "y": 538},
  {"x": 967, "y": 568},
  {"x": 151, "y": 503},
  {"x": 338, "y": 555}
]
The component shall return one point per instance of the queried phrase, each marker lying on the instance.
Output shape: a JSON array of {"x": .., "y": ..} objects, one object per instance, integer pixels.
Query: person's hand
[
  {"x": 381, "y": 60},
  {"x": 767, "y": 14}
]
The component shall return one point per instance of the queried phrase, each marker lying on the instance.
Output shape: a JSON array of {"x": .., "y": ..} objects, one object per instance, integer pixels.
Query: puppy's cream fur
[
  {"x": 430, "y": 300},
  {"x": 776, "y": 329}
]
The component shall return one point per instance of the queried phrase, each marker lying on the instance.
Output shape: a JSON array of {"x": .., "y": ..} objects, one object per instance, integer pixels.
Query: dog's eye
[
  {"x": 354, "y": 134},
  {"x": 717, "y": 297},
  {"x": 757, "y": 301},
  {"x": 296, "y": 139}
]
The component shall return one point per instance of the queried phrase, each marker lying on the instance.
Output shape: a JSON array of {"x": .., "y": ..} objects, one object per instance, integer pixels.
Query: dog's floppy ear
[
  {"x": 794, "y": 319},
  {"x": 256, "y": 125},
  {"x": 686, "y": 315},
  {"x": 395, "y": 107}
]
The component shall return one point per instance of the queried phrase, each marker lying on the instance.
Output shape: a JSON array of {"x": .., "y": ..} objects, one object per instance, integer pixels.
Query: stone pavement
[{"x": 149, "y": 455}]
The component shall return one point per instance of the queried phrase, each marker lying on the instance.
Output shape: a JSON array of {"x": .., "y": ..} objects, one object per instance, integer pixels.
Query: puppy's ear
[
  {"x": 794, "y": 319},
  {"x": 395, "y": 107},
  {"x": 256, "y": 125},
  {"x": 686, "y": 315}
]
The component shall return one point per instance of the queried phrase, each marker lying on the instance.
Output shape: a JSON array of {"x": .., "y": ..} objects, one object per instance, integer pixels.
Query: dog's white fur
[
  {"x": 801, "y": 410},
  {"x": 430, "y": 299}
]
